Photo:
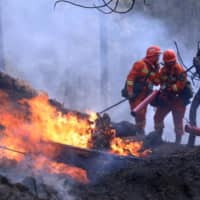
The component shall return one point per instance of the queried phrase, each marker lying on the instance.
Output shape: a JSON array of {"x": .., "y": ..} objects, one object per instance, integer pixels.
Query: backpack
[
  {"x": 124, "y": 91},
  {"x": 138, "y": 87},
  {"x": 187, "y": 93}
]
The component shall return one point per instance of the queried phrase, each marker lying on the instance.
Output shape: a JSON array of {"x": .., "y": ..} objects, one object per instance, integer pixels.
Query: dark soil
[{"x": 174, "y": 176}]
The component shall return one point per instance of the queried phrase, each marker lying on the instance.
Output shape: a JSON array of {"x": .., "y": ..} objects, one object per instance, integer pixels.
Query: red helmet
[
  {"x": 169, "y": 56},
  {"x": 153, "y": 51}
]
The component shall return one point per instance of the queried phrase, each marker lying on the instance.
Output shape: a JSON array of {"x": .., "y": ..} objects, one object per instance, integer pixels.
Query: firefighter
[
  {"x": 173, "y": 80},
  {"x": 140, "y": 80}
]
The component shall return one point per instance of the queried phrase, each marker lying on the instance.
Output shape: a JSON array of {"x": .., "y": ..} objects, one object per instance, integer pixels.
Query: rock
[{"x": 124, "y": 129}]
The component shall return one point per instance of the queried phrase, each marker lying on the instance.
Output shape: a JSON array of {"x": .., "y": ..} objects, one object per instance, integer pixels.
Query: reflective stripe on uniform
[
  {"x": 174, "y": 88},
  {"x": 152, "y": 74},
  {"x": 130, "y": 83},
  {"x": 145, "y": 70}
]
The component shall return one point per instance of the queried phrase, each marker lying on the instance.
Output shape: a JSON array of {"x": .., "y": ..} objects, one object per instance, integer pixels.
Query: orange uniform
[
  {"x": 139, "y": 83},
  {"x": 172, "y": 82},
  {"x": 139, "y": 80}
]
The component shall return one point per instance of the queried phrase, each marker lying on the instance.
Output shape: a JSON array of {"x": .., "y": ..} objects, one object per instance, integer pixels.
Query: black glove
[{"x": 124, "y": 93}]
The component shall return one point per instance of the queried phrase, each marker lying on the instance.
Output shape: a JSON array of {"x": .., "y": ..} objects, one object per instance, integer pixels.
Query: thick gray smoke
[{"x": 60, "y": 51}]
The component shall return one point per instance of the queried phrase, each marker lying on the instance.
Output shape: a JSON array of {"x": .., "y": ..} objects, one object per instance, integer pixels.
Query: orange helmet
[
  {"x": 169, "y": 56},
  {"x": 153, "y": 51}
]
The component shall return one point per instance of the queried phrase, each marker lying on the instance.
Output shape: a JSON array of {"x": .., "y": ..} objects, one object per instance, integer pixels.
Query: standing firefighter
[
  {"x": 140, "y": 80},
  {"x": 173, "y": 81}
]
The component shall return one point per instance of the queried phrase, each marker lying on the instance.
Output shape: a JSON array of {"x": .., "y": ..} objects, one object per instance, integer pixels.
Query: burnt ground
[
  {"x": 173, "y": 175},
  {"x": 14, "y": 191},
  {"x": 170, "y": 172}
]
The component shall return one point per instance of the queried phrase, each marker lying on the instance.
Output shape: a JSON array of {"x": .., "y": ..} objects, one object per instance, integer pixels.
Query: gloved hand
[{"x": 124, "y": 93}]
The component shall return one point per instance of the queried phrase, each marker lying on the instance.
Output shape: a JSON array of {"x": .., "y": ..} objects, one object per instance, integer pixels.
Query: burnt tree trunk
[
  {"x": 104, "y": 82},
  {"x": 193, "y": 116}
]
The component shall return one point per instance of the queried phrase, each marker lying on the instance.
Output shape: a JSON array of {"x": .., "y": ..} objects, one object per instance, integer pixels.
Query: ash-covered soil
[
  {"x": 18, "y": 191},
  {"x": 171, "y": 175},
  {"x": 172, "y": 172}
]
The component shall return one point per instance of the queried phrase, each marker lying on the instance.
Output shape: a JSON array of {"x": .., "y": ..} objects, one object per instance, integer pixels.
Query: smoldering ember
[{"x": 85, "y": 92}]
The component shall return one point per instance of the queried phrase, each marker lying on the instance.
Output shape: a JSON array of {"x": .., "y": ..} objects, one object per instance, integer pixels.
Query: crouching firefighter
[
  {"x": 174, "y": 95},
  {"x": 139, "y": 84}
]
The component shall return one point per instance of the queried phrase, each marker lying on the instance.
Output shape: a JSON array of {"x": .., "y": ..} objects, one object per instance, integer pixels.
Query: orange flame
[
  {"x": 27, "y": 122},
  {"x": 127, "y": 147},
  {"x": 52, "y": 167},
  {"x": 30, "y": 121}
]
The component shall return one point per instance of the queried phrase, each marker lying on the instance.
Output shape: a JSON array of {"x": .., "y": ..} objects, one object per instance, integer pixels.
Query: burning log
[
  {"x": 95, "y": 162},
  {"x": 28, "y": 117}
]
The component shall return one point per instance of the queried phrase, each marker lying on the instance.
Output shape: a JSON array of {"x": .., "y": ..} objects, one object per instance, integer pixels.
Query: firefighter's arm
[
  {"x": 131, "y": 77},
  {"x": 180, "y": 83}
]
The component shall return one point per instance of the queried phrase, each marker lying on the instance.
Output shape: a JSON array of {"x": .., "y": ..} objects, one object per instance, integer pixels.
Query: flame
[
  {"x": 27, "y": 123},
  {"x": 54, "y": 126},
  {"x": 127, "y": 147},
  {"x": 42, "y": 163},
  {"x": 43, "y": 122}
]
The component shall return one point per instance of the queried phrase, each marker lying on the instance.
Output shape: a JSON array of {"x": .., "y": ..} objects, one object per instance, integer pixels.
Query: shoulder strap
[{"x": 148, "y": 74}]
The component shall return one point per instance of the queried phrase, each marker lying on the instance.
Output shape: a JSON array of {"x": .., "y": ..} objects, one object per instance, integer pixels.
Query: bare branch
[
  {"x": 107, "y": 5},
  {"x": 179, "y": 55},
  {"x": 79, "y": 5},
  {"x": 112, "y": 9}
]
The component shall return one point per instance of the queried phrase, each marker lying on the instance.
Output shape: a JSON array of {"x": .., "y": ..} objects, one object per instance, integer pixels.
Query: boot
[
  {"x": 178, "y": 139},
  {"x": 153, "y": 139},
  {"x": 156, "y": 133}
]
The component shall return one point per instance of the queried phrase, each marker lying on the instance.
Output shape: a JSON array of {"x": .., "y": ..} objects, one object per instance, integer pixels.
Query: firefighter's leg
[
  {"x": 154, "y": 138},
  {"x": 140, "y": 120},
  {"x": 161, "y": 113},
  {"x": 178, "y": 111}
]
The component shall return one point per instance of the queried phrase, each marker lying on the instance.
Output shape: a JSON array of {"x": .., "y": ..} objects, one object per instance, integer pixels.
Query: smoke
[
  {"x": 41, "y": 183},
  {"x": 61, "y": 51}
]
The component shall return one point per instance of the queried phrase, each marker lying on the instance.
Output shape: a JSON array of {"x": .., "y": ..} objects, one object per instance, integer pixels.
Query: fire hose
[{"x": 145, "y": 102}]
